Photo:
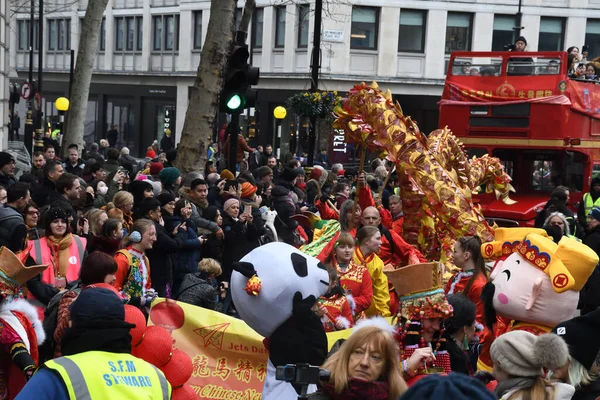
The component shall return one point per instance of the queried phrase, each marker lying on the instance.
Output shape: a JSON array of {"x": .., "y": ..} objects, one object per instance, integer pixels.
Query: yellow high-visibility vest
[{"x": 102, "y": 375}]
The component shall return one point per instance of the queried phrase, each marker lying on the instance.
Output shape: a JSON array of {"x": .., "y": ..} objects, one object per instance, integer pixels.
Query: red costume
[
  {"x": 337, "y": 310},
  {"x": 357, "y": 284},
  {"x": 21, "y": 331}
]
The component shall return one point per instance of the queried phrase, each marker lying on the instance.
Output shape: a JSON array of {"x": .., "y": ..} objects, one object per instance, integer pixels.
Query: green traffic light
[{"x": 234, "y": 102}]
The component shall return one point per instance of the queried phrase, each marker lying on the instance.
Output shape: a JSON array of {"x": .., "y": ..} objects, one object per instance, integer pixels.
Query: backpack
[{"x": 51, "y": 321}]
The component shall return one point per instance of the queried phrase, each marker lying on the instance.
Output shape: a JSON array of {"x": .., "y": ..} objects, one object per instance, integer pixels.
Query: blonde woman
[
  {"x": 123, "y": 201},
  {"x": 366, "y": 366},
  {"x": 96, "y": 218}
]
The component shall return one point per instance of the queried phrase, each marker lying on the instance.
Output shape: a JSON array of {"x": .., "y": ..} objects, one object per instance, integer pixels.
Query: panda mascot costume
[{"x": 273, "y": 288}]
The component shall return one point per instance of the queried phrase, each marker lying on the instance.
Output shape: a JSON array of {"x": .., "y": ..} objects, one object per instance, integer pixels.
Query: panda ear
[{"x": 244, "y": 268}]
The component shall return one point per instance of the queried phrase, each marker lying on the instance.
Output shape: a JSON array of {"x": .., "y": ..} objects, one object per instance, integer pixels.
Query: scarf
[
  {"x": 513, "y": 385},
  {"x": 60, "y": 257},
  {"x": 359, "y": 390},
  {"x": 362, "y": 259},
  {"x": 97, "y": 335}
]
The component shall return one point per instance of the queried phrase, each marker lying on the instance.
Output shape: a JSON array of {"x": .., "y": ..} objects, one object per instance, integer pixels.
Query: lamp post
[
  {"x": 62, "y": 105},
  {"x": 279, "y": 113}
]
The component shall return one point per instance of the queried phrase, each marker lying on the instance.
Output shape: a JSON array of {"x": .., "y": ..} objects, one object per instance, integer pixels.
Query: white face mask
[{"x": 103, "y": 189}]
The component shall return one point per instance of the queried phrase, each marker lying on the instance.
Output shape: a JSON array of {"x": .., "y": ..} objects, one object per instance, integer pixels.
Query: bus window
[
  {"x": 476, "y": 66},
  {"x": 552, "y": 168},
  {"x": 541, "y": 178},
  {"x": 476, "y": 152},
  {"x": 533, "y": 66}
]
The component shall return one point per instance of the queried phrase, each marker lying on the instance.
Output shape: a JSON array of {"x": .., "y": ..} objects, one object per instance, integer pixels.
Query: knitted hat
[
  {"x": 521, "y": 39},
  {"x": 165, "y": 198},
  {"x": 5, "y": 158},
  {"x": 156, "y": 167},
  {"x": 451, "y": 387},
  {"x": 230, "y": 202},
  {"x": 595, "y": 213},
  {"x": 316, "y": 174},
  {"x": 169, "y": 175},
  {"x": 227, "y": 174},
  {"x": 53, "y": 214},
  {"x": 522, "y": 354},
  {"x": 248, "y": 190},
  {"x": 97, "y": 304},
  {"x": 581, "y": 334},
  {"x": 288, "y": 174},
  {"x": 300, "y": 171}
]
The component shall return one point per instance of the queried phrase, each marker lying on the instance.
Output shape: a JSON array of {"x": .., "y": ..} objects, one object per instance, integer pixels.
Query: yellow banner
[{"x": 229, "y": 358}]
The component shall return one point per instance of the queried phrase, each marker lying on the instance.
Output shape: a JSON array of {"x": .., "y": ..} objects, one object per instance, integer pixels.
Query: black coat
[
  {"x": 588, "y": 392},
  {"x": 240, "y": 239},
  {"x": 161, "y": 258}
]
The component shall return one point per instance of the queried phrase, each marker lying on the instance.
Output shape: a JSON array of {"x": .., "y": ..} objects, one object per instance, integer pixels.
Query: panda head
[{"x": 283, "y": 271}]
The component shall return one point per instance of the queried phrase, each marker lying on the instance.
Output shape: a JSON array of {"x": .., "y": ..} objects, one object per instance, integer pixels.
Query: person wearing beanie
[
  {"x": 61, "y": 250},
  {"x": 156, "y": 168},
  {"x": 583, "y": 371},
  {"x": 97, "y": 361},
  {"x": 520, "y": 359},
  {"x": 140, "y": 190},
  {"x": 171, "y": 179},
  {"x": 451, "y": 387},
  {"x": 366, "y": 366},
  {"x": 592, "y": 231},
  {"x": 520, "y": 44},
  {"x": 167, "y": 207},
  {"x": 7, "y": 169},
  {"x": 227, "y": 175},
  {"x": 589, "y": 200}
]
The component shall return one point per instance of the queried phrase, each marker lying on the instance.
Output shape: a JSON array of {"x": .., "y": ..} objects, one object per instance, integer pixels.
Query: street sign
[
  {"x": 37, "y": 102},
  {"x": 26, "y": 91}
]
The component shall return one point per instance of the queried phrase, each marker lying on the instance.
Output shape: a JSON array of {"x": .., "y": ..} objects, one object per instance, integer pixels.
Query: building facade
[
  {"x": 149, "y": 51},
  {"x": 4, "y": 72}
]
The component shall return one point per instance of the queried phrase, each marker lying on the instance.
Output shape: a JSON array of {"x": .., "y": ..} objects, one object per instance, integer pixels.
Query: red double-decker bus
[{"x": 522, "y": 108}]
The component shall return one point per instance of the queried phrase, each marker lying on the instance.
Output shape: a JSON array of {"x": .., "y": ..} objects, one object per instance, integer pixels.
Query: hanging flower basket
[{"x": 317, "y": 104}]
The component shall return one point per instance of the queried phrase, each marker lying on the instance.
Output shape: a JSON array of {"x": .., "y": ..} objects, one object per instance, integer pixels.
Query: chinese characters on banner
[{"x": 229, "y": 358}]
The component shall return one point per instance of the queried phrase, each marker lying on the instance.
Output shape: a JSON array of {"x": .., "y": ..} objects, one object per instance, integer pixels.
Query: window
[
  {"x": 412, "y": 31},
  {"x": 458, "y": 32},
  {"x": 51, "y": 34},
  {"x": 503, "y": 31},
  {"x": 257, "y": 35},
  {"x": 165, "y": 30},
  {"x": 551, "y": 34},
  {"x": 119, "y": 33},
  {"x": 23, "y": 27},
  {"x": 128, "y": 34},
  {"x": 103, "y": 35},
  {"x": 280, "y": 26},
  {"x": 365, "y": 26},
  {"x": 130, "y": 22},
  {"x": 157, "y": 29},
  {"x": 303, "y": 15},
  {"x": 140, "y": 33},
  {"x": 59, "y": 34},
  {"x": 592, "y": 37},
  {"x": 197, "y": 29}
]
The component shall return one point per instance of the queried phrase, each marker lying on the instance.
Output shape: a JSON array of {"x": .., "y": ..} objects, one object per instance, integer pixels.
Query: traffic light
[{"x": 240, "y": 76}]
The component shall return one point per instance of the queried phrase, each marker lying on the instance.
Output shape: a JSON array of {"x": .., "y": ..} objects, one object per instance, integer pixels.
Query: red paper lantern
[
  {"x": 134, "y": 316},
  {"x": 156, "y": 346},
  {"x": 184, "y": 393},
  {"x": 168, "y": 314},
  {"x": 179, "y": 370}
]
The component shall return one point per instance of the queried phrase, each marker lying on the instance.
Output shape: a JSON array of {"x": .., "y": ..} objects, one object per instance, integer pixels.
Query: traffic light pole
[
  {"x": 234, "y": 128},
  {"x": 314, "y": 81}
]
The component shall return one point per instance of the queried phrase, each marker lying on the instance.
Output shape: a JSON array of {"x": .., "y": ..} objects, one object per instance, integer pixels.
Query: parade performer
[
  {"x": 21, "y": 331},
  {"x": 274, "y": 288},
  {"x": 333, "y": 307},
  {"x": 419, "y": 328},
  {"x": 354, "y": 278},
  {"x": 538, "y": 285}
]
